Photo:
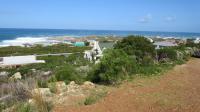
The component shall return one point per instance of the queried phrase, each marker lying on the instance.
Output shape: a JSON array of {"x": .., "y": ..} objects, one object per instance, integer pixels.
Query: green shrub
[
  {"x": 148, "y": 70},
  {"x": 136, "y": 45},
  {"x": 67, "y": 74},
  {"x": 167, "y": 53},
  {"x": 114, "y": 67},
  {"x": 52, "y": 87},
  {"x": 24, "y": 107},
  {"x": 147, "y": 61},
  {"x": 42, "y": 84}
]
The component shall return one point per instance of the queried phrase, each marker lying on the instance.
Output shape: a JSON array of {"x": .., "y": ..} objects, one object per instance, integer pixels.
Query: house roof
[
  {"x": 165, "y": 44},
  {"x": 106, "y": 45},
  {"x": 79, "y": 44}
]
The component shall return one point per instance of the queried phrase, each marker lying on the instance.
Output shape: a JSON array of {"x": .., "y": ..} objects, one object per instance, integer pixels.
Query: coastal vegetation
[
  {"x": 131, "y": 57},
  {"x": 135, "y": 55},
  {"x": 38, "y": 49}
]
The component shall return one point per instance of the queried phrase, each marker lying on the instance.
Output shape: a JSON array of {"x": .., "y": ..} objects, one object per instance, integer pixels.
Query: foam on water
[{"x": 23, "y": 40}]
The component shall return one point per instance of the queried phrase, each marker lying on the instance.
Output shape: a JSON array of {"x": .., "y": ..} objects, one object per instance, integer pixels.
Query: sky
[{"x": 137, "y": 15}]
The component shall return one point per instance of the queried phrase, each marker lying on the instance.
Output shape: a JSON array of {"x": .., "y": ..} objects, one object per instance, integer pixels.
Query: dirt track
[{"x": 176, "y": 91}]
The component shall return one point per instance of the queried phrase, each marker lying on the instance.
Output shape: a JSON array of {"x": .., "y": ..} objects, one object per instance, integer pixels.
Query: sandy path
[{"x": 176, "y": 91}]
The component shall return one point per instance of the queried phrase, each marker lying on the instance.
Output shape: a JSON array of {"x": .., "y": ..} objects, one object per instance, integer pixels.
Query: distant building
[
  {"x": 19, "y": 60},
  {"x": 79, "y": 44},
  {"x": 197, "y": 41},
  {"x": 163, "y": 44}
]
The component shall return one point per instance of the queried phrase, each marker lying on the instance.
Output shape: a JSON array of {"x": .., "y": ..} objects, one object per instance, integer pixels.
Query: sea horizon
[{"x": 9, "y": 35}]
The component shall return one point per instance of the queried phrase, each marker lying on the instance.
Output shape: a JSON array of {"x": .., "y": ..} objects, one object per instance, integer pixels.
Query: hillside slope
[{"x": 176, "y": 91}]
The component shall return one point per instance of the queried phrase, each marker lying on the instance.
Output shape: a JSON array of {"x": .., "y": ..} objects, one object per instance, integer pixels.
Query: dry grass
[{"x": 15, "y": 95}]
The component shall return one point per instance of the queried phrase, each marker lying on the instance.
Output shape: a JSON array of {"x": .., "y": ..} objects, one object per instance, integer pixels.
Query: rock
[
  {"x": 47, "y": 73},
  {"x": 4, "y": 73},
  {"x": 72, "y": 83},
  {"x": 41, "y": 91},
  {"x": 17, "y": 75},
  {"x": 59, "y": 87},
  {"x": 44, "y": 75},
  {"x": 33, "y": 70},
  {"x": 31, "y": 101},
  {"x": 3, "y": 76},
  {"x": 88, "y": 85},
  {"x": 72, "y": 87}
]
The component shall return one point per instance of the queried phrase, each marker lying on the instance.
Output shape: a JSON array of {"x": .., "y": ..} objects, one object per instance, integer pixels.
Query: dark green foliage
[
  {"x": 87, "y": 43},
  {"x": 167, "y": 53},
  {"x": 115, "y": 66},
  {"x": 67, "y": 74},
  {"x": 42, "y": 84},
  {"x": 147, "y": 61},
  {"x": 24, "y": 107},
  {"x": 136, "y": 45},
  {"x": 190, "y": 43},
  {"x": 77, "y": 59},
  {"x": 135, "y": 55}
]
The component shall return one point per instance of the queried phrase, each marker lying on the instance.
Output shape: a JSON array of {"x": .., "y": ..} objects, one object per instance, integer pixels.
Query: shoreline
[{"x": 31, "y": 40}]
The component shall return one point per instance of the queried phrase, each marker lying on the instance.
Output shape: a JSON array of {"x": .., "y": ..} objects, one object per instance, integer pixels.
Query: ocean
[{"x": 15, "y": 35}]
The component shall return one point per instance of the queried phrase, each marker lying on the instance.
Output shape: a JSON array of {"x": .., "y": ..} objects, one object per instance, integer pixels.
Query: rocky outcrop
[
  {"x": 17, "y": 76},
  {"x": 72, "y": 87},
  {"x": 88, "y": 85}
]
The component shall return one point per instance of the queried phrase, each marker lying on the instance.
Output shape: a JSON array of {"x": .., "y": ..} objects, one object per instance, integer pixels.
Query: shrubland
[
  {"x": 135, "y": 55},
  {"x": 130, "y": 57},
  {"x": 38, "y": 49}
]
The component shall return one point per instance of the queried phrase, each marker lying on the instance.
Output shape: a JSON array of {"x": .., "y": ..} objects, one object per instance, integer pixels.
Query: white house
[{"x": 19, "y": 60}]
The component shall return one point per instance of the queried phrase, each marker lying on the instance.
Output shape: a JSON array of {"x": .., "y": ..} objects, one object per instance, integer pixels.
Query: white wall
[{"x": 18, "y": 60}]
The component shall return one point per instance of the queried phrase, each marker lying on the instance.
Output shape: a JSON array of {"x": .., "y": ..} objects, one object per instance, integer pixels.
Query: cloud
[
  {"x": 170, "y": 18},
  {"x": 146, "y": 19}
]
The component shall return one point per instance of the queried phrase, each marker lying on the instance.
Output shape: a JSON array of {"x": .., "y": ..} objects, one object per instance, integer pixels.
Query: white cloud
[
  {"x": 170, "y": 18},
  {"x": 146, "y": 19}
]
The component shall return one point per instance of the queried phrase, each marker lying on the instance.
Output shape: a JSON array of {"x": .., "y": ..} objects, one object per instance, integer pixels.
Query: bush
[
  {"x": 77, "y": 59},
  {"x": 136, "y": 45},
  {"x": 167, "y": 53},
  {"x": 52, "y": 87},
  {"x": 114, "y": 67},
  {"x": 42, "y": 84},
  {"x": 23, "y": 107},
  {"x": 67, "y": 74},
  {"x": 147, "y": 61}
]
